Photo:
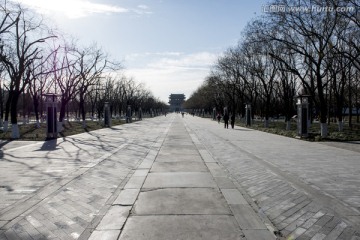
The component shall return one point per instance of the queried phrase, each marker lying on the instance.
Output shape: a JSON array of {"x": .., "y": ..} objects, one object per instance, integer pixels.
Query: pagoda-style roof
[{"x": 176, "y": 98}]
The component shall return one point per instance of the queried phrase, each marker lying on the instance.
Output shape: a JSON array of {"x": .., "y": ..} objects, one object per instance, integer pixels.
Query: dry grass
[
  {"x": 278, "y": 127},
  {"x": 32, "y": 133}
]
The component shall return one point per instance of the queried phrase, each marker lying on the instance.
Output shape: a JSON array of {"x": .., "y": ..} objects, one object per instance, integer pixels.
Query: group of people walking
[{"x": 226, "y": 119}]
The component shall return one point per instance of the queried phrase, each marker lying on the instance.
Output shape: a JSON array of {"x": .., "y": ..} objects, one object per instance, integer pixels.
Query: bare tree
[
  {"x": 9, "y": 16},
  {"x": 40, "y": 83},
  {"x": 92, "y": 62},
  {"x": 309, "y": 34},
  {"x": 288, "y": 88},
  {"x": 65, "y": 76},
  {"x": 231, "y": 68},
  {"x": 1, "y": 95},
  {"x": 23, "y": 49}
]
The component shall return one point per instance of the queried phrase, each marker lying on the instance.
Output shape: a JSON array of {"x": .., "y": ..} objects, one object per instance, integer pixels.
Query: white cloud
[
  {"x": 142, "y": 9},
  {"x": 72, "y": 8},
  {"x": 174, "y": 72},
  {"x": 137, "y": 56},
  {"x": 202, "y": 60}
]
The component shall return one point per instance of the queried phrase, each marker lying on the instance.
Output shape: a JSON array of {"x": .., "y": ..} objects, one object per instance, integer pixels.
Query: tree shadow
[
  {"x": 116, "y": 129},
  {"x": 244, "y": 129},
  {"x": 49, "y": 145},
  {"x": 3, "y": 143}
]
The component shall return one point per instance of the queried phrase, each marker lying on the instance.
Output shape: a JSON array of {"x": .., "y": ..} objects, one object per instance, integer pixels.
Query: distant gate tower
[{"x": 176, "y": 101}]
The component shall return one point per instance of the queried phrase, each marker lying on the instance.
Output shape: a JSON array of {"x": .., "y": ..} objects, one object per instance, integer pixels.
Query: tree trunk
[
  {"x": 62, "y": 110},
  {"x": 288, "y": 125},
  {"x": 61, "y": 116},
  {"x": 7, "y": 111},
  {"x": 340, "y": 117},
  {"x": 323, "y": 129},
  {"x": 350, "y": 102},
  {"x": 323, "y": 105},
  {"x": 92, "y": 110},
  {"x": 15, "y": 133},
  {"x": 1, "y": 107},
  {"x": 267, "y": 112},
  {"x": 266, "y": 122},
  {"x": 82, "y": 110},
  {"x": 36, "y": 109},
  {"x": 341, "y": 126}
]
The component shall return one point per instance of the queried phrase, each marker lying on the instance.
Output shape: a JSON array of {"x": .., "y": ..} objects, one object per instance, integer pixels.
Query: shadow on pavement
[
  {"x": 49, "y": 145},
  {"x": 116, "y": 129},
  {"x": 3, "y": 143},
  {"x": 244, "y": 130}
]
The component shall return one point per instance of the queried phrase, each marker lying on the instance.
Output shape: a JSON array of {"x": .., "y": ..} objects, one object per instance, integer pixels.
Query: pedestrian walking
[
  {"x": 232, "y": 120},
  {"x": 218, "y": 117},
  {"x": 226, "y": 120}
]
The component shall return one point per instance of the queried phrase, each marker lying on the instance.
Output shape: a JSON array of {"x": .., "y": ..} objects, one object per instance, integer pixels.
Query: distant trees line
[
  {"x": 35, "y": 59},
  {"x": 285, "y": 53}
]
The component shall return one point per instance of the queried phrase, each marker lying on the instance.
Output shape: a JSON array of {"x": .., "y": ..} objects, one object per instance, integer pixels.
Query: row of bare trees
[
  {"x": 36, "y": 60},
  {"x": 298, "y": 47}
]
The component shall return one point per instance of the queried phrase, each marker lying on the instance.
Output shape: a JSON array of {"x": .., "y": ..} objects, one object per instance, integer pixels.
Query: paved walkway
[
  {"x": 307, "y": 190},
  {"x": 178, "y": 178},
  {"x": 62, "y": 188}
]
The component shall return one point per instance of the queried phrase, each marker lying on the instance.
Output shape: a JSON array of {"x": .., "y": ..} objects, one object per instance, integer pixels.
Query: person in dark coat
[
  {"x": 226, "y": 120},
  {"x": 232, "y": 120}
]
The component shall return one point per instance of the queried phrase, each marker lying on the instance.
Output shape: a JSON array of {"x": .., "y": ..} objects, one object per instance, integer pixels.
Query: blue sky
[{"x": 169, "y": 45}]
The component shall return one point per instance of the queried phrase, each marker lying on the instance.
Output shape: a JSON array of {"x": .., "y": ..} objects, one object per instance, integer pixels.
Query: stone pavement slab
[
  {"x": 181, "y": 201},
  {"x": 182, "y": 227},
  {"x": 178, "y": 167},
  {"x": 127, "y": 197},
  {"x": 178, "y": 158},
  {"x": 171, "y": 150},
  {"x": 115, "y": 218},
  {"x": 233, "y": 196},
  {"x": 105, "y": 235},
  {"x": 179, "y": 179}
]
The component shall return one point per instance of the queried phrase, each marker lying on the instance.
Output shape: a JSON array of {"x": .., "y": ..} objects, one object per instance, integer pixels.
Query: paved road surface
[{"x": 170, "y": 177}]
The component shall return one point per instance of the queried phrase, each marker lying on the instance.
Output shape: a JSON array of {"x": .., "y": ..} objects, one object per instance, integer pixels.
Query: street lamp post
[
  {"x": 1, "y": 104},
  {"x": 128, "y": 114},
  {"x": 107, "y": 117},
  {"x": 51, "y": 114},
  {"x": 303, "y": 115},
  {"x": 248, "y": 114}
]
